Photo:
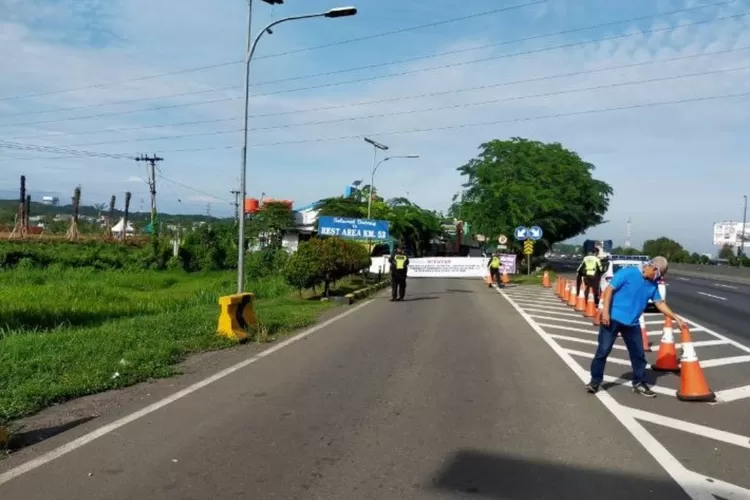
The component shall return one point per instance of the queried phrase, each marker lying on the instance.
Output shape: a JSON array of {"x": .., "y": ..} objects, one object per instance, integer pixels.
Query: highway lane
[
  {"x": 447, "y": 395},
  {"x": 718, "y": 305}
]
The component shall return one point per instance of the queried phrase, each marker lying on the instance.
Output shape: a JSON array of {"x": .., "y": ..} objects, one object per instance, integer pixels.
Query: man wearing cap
[{"x": 624, "y": 301}]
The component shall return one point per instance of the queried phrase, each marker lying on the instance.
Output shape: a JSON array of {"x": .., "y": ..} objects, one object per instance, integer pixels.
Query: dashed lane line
[{"x": 711, "y": 296}]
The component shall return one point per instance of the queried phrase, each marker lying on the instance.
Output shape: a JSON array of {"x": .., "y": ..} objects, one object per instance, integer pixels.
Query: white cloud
[{"x": 668, "y": 164}]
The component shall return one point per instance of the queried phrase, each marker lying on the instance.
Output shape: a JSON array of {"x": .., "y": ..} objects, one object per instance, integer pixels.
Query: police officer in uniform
[
  {"x": 399, "y": 267},
  {"x": 494, "y": 265},
  {"x": 591, "y": 268}
]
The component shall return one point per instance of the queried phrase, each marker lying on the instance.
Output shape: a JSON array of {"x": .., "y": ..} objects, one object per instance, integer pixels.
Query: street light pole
[
  {"x": 333, "y": 13},
  {"x": 372, "y": 177}
]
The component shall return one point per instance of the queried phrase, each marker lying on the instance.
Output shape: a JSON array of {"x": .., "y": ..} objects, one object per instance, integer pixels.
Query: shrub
[{"x": 325, "y": 261}]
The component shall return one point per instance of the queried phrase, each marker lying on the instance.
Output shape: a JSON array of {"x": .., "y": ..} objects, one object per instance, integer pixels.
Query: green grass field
[{"x": 69, "y": 333}]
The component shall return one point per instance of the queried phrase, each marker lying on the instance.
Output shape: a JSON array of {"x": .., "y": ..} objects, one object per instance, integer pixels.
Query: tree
[
  {"x": 670, "y": 249},
  {"x": 625, "y": 251},
  {"x": 270, "y": 222},
  {"x": 412, "y": 225},
  {"x": 524, "y": 182},
  {"x": 726, "y": 252}
]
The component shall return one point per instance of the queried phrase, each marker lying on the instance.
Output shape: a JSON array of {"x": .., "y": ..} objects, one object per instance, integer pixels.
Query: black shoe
[
  {"x": 400, "y": 299},
  {"x": 592, "y": 387},
  {"x": 643, "y": 390},
  {"x": 393, "y": 299}
]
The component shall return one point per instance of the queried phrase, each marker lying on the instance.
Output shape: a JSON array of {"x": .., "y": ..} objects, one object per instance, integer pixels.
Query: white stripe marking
[
  {"x": 106, "y": 429},
  {"x": 626, "y": 381},
  {"x": 698, "y": 430},
  {"x": 569, "y": 328},
  {"x": 725, "y": 361},
  {"x": 547, "y": 311},
  {"x": 561, "y": 319},
  {"x": 696, "y": 487},
  {"x": 704, "y": 343},
  {"x": 584, "y": 341},
  {"x": 712, "y": 296},
  {"x": 590, "y": 355},
  {"x": 726, "y": 286},
  {"x": 735, "y": 394}
]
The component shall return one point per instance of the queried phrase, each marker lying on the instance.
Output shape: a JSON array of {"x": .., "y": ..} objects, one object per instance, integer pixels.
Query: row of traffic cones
[{"x": 693, "y": 384}]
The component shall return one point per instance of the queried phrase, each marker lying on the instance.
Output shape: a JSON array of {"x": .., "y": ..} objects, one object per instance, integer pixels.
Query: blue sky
[{"x": 675, "y": 169}]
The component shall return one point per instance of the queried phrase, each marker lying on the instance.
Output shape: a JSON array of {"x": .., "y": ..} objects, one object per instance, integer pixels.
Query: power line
[
  {"x": 411, "y": 112},
  {"x": 461, "y": 126},
  {"x": 401, "y": 98},
  {"x": 379, "y": 77},
  {"x": 193, "y": 189},
  {"x": 290, "y": 52},
  {"x": 389, "y": 63}
]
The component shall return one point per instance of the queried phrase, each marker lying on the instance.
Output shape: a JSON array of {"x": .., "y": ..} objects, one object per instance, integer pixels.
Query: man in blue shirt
[{"x": 623, "y": 303}]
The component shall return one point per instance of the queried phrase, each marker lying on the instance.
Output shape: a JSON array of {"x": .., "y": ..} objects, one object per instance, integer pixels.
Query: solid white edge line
[
  {"x": 691, "y": 428},
  {"x": 106, "y": 429},
  {"x": 688, "y": 481}
]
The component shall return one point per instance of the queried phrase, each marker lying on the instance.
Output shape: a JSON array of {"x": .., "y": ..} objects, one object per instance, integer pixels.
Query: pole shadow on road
[
  {"x": 419, "y": 297},
  {"x": 500, "y": 476},
  {"x": 21, "y": 440}
]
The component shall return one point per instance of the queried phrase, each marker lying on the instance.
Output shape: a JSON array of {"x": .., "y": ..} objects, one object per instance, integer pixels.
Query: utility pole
[
  {"x": 152, "y": 187},
  {"x": 236, "y": 194}
]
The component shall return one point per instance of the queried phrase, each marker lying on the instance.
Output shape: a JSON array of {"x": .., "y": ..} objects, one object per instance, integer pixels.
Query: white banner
[{"x": 448, "y": 267}]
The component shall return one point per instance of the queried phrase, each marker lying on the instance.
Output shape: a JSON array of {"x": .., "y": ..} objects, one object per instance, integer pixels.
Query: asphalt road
[
  {"x": 722, "y": 306},
  {"x": 450, "y": 394}
]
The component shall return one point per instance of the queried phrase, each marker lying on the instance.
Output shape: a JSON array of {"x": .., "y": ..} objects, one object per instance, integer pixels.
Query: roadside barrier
[{"x": 236, "y": 315}]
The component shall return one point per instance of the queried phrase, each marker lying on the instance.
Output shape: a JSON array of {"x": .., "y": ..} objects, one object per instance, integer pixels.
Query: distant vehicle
[{"x": 618, "y": 262}]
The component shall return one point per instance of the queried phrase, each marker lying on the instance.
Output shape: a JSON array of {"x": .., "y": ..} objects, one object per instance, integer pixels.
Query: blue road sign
[
  {"x": 535, "y": 233},
  {"x": 354, "y": 229},
  {"x": 521, "y": 233}
]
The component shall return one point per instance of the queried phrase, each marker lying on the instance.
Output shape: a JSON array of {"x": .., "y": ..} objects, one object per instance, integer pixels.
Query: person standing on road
[
  {"x": 592, "y": 273},
  {"x": 494, "y": 265},
  {"x": 625, "y": 299},
  {"x": 399, "y": 267}
]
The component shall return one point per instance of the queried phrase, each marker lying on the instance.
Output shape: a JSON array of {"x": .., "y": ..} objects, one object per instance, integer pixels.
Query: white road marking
[
  {"x": 712, "y": 296},
  {"x": 698, "y": 430},
  {"x": 725, "y": 361},
  {"x": 626, "y": 381},
  {"x": 726, "y": 286},
  {"x": 729, "y": 395},
  {"x": 587, "y": 323},
  {"x": 703, "y": 343},
  {"x": 569, "y": 328},
  {"x": 584, "y": 341},
  {"x": 681, "y": 278},
  {"x": 106, "y": 429},
  {"x": 544, "y": 305},
  {"x": 695, "y": 486},
  {"x": 548, "y": 311},
  {"x": 590, "y": 355}
]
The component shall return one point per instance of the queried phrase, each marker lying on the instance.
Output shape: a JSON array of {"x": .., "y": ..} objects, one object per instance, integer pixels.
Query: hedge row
[{"x": 324, "y": 261}]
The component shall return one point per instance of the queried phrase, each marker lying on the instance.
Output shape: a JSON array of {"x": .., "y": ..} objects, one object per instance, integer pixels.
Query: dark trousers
[
  {"x": 579, "y": 280},
  {"x": 631, "y": 334},
  {"x": 592, "y": 285},
  {"x": 495, "y": 276},
  {"x": 398, "y": 286}
]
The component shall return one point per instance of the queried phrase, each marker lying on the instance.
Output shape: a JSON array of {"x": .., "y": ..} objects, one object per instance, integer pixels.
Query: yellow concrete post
[{"x": 236, "y": 315}]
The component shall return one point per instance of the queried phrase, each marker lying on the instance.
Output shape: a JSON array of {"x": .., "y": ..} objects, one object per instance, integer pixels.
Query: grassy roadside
[{"x": 70, "y": 333}]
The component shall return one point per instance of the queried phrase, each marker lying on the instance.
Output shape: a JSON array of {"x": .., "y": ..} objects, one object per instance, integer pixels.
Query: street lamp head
[
  {"x": 341, "y": 12},
  {"x": 376, "y": 144}
]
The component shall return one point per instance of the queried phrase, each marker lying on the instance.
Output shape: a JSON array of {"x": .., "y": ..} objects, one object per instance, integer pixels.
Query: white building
[{"x": 53, "y": 201}]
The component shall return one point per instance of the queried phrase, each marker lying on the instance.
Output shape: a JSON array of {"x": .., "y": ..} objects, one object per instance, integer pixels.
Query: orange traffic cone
[
  {"x": 693, "y": 385},
  {"x": 557, "y": 286},
  {"x": 644, "y": 334},
  {"x": 590, "y": 311},
  {"x": 572, "y": 299},
  {"x": 666, "y": 360},
  {"x": 581, "y": 300},
  {"x": 488, "y": 280},
  {"x": 545, "y": 280},
  {"x": 566, "y": 292},
  {"x": 504, "y": 278}
]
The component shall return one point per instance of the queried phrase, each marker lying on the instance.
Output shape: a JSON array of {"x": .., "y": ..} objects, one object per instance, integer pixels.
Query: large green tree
[
  {"x": 523, "y": 182},
  {"x": 666, "y": 247}
]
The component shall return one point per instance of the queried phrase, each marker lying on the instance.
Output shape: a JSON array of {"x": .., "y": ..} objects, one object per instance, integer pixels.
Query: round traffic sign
[{"x": 502, "y": 239}]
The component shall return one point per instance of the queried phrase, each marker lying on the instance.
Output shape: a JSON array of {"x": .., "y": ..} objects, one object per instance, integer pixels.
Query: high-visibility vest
[
  {"x": 591, "y": 264},
  {"x": 400, "y": 261},
  {"x": 495, "y": 263}
]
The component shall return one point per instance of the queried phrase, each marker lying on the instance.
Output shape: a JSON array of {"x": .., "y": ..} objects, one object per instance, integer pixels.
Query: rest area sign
[{"x": 353, "y": 228}]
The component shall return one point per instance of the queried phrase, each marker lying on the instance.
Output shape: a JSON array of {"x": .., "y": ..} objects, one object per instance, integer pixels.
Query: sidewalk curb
[{"x": 362, "y": 293}]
